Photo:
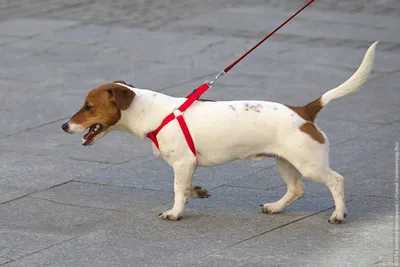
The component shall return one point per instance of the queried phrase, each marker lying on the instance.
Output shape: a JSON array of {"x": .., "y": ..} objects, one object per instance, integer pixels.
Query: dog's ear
[
  {"x": 122, "y": 97},
  {"x": 123, "y": 82}
]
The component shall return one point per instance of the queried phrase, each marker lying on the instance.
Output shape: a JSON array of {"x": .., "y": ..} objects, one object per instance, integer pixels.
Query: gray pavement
[{"x": 62, "y": 204}]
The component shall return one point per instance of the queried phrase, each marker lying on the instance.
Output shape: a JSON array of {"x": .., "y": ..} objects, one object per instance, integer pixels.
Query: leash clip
[{"x": 215, "y": 78}]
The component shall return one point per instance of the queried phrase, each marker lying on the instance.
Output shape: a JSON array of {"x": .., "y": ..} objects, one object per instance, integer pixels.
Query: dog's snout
[{"x": 65, "y": 127}]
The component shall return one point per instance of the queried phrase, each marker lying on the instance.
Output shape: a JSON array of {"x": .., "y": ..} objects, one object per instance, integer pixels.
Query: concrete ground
[{"x": 62, "y": 204}]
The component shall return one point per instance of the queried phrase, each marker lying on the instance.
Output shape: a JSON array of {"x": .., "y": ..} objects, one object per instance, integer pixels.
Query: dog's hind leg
[
  {"x": 319, "y": 171},
  {"x": 335, "y": 183},
  {"x": 294, "y": 183}
]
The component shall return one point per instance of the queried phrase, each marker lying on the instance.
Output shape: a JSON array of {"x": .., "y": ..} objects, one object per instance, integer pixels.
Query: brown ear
[
  {"x": 122, "y": 97},
  {"x": 123, "y": 82}
]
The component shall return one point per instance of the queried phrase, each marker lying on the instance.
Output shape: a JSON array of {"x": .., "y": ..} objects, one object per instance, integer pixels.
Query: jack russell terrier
[{"x": 223, "y": 131}]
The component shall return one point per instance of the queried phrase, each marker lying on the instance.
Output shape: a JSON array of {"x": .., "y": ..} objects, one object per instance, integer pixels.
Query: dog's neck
[{"x": 146, "y": 112}]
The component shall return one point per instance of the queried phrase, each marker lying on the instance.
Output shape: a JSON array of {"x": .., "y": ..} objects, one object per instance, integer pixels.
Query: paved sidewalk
[{"x": 63, "y": 204}]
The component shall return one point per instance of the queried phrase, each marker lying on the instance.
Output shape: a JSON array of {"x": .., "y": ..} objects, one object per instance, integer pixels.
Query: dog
[{"x": 224, "y": 131}]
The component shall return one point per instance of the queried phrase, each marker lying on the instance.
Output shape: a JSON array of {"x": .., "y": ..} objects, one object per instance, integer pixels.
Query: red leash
[{"x": 178, "y": 113}]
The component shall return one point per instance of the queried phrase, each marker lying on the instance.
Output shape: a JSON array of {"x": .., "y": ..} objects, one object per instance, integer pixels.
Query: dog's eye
[{"x": 87, "y": 107}]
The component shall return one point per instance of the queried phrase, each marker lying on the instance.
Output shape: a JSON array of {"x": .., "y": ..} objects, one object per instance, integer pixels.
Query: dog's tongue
[{"x": 90, "y": 134}]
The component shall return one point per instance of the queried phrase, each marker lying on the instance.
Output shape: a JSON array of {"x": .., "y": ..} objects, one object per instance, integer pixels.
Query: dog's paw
[
  {"x": 199, "y": 192},
  {"x": 170, "y": 215},
  {"x": 337, "y": 217},
  {"x": 271, "y": 208}
]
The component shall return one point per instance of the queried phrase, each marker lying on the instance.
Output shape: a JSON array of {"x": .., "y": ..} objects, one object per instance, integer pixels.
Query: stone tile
[
  {"x": 51, "y": 140},
  {"x": 165, "y": 47},
  {"x": 32, "y": 27},
  {"x": 226, "y": 19},
  {"x": 309, "y": 241},
  {"x": 85, "y": 34},
  {"x": 243, "y": 202},
  {"x": 363, "y": 104},
  {"x": 16, "y": 243},
  {"x": 98, "y": 71},
  {"x": 342, "y": 56},
  {"x": 23, "y": 173},
  {"x": 4, "y": 260},
  {"x": 30, "y": 107},
  {"x": 224, "y": 201},
  {"x": 381, "y": 91},
  {"x": 154, "y": 173},
  {"x": 26, "y": 8},
  {"x": 5, "y": 40},
  {"x": 335, "y": 17},
  {"x": 30, "y": 225},
  {"x": 205, "y": 229},
  {"x": 123, "y": 199},
  {"x": 263, "y": 179},
  {"x": 28, "y": 47},
  {"x": 366, "y": 173}
]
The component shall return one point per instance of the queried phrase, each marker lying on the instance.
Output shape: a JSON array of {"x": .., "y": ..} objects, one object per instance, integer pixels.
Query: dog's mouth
[{"x": 94, "y": 130}]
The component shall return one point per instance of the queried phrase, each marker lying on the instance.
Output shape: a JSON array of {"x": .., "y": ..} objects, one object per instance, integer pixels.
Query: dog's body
[{"x": 224, "y": 131}]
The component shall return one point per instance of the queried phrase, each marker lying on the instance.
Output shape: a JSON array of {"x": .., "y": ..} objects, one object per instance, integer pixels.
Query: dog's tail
[{"x": 349, "y": 86}]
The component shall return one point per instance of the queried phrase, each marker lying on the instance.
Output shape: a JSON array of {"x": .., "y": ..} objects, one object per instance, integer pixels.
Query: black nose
[{"x": 65, "y": 127}]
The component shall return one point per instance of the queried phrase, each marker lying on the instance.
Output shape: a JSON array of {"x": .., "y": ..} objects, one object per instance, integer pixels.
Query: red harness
[
  {"x": 179, "y": 116},
  {"x": 178, "y": 113}
]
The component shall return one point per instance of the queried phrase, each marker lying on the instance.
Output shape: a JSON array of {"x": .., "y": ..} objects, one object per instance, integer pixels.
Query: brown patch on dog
[
  {"x": 310, "y": 111},
  {"x": 106, "y": 103},
  {"x": 310, "y": 129},
  {"x": 123, "y": 82},
  {"x": 122, "y": 96}
]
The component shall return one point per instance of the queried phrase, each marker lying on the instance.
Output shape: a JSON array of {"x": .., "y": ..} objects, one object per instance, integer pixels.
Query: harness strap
[{"x": 185, "y": 130}]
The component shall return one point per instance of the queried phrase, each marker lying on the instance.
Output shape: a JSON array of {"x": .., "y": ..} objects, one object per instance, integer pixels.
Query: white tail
[{"x": 355, "y": 81}]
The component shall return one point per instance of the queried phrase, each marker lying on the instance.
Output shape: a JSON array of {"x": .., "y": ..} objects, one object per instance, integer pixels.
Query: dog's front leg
[{"x": 182, "y": 188}]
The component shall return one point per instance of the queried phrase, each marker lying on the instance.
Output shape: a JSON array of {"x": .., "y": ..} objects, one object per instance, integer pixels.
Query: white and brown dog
[{"x": 224, "y": 131}]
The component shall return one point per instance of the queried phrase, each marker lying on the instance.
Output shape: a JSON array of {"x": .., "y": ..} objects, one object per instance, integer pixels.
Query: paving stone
[
  {"x": 30, "y": 225},
  {"x": 335, "y": 17},
  {"x": 124, "y": 199},
  {"x": 301, "y": 26},
  {"x": 204, "y": 229},
  {"x": 51, "y": 140},
  {"x": 314, "y": 242},
  {"x": 154, "y": 173},
  {"x": 4, "y": 260},
  {"x": 366, "y": 100},
  {"x": 32, "y": 27},
  {"x": 23, "y": 173},
  {"x": 345, "y": 57},
  {"x": 28, "y": 47},
  {"x": 16, "y": 243},
  {"x": 5, "y": 40},
  {"x": 27, "y": 108},
  {"x": 26, "y": 8},
  {"x": 224, "y": 201}
]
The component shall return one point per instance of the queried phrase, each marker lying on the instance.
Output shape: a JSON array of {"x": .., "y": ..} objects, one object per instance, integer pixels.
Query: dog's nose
[{"x": 65, "y": 127}]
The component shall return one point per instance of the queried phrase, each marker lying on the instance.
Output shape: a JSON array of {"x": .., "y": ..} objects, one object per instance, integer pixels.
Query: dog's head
[{"x": 101, "y": 111}]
